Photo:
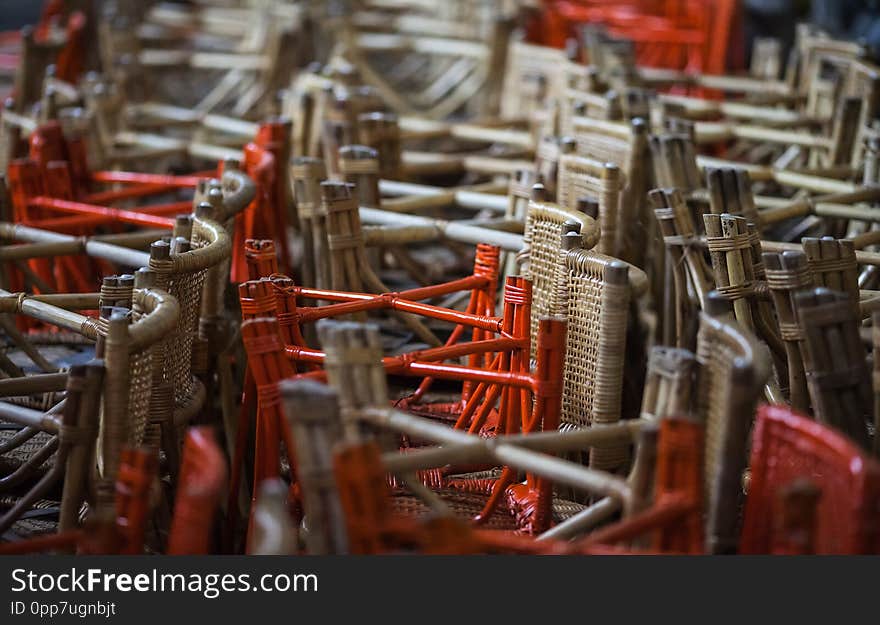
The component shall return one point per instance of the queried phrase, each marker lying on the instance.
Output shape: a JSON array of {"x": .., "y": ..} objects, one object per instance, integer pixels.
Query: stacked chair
[{"x": 358, "y": 278}]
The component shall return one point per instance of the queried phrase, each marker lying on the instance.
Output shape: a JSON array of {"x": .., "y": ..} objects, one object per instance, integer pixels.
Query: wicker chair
[
  {"x": 458, "y": 49},
  {"x": 787, "y": 274},
  {"x": 534, "y": 75},
  {"x": 834, "y": 362},
  {"x": 127, "y": 342},
  {"x": 539, "y": 258},
  {"x": 625, "y": 145},
  {"x": 593, "y": 293},
  {"x": 732, "y": 371},
  {"x": 581, "y": 177},
  {"x": 838, "y": 517}
]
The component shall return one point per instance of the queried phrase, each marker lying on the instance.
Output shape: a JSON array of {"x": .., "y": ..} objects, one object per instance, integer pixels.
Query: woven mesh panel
[
  {"x": 526, "y": 64},
  {"x": 187, "y": 288},
  {"x": 582, "y": 349},
  {"x": 543, "y": 257},
  {"x": 23, "y": 452},
  {"x": 595, "y": 348},
  {"x": 600, "y": 146},
  {"x": 141, "y": 382}
]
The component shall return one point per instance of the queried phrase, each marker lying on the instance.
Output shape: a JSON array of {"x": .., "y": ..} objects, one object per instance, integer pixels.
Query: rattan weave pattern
[
  {"x": 583, "y": 177},
  {"x": 596, "y": 308},
  {"x": 536, "y": 69},
  {"x": 544, "y": 227}
]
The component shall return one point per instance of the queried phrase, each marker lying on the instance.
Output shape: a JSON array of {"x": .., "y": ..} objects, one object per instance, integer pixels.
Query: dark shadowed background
[{"x": 16, "y": 13}]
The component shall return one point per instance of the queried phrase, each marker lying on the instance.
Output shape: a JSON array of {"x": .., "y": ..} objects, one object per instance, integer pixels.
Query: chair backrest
[
  {"x": 593, "y": 293},
  {"x": 732, "y": 371},
  {"x": 833, "y": 265},
  {"x": 581, "y": 177},
  {"x": 788, "y": 447},
  {"x": 545, "y": 223},
  {"x": 834, "y": 361},
  {"x": 626, "y": 146},
  {"x": 533, "y": 75}
]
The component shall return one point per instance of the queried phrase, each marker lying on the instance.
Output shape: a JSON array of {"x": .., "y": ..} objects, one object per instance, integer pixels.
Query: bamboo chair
[
  {"x": 356, "y": 404},
  {"x": 539, "y": 256},
  {"x": 787, "y": 274},
  {"x": 126, "y": 342},
  {"x": 841, "y": 489},
  {"x": 834, "y": 361},
  {"x": 626, "y": 146},
  {"x": 256, "y": 39},
  {"x": 732, "y": 372},
  {"x": 593, "y": 294},
  {"x": 460, "y": 50},
  {"x": 581, "y": 177},
  {"x": 718, "y": 387},
  {"x": 533, "y": 76}
]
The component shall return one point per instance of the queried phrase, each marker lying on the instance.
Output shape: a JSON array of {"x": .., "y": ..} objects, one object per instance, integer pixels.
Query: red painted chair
[
  {"x": 677, "y": 34},
  {"x": 200, "y": 486},
  {"x": 787, "y": 448},
  {"x": 497, "y": 369}
]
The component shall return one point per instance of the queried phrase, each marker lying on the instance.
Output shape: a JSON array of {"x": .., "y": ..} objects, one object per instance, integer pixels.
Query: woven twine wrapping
[
  {"x": 580, "y": 177},
  {"x": 594, "y": 358},
  {"x": 845, "y": 270}
]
